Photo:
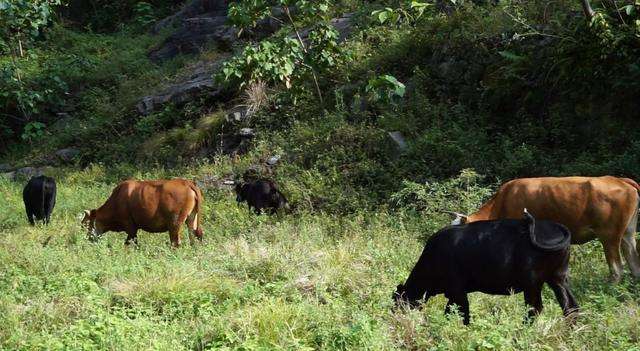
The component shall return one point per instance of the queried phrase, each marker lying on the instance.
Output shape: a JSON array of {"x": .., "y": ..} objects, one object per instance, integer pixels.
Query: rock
[
  {"x": 193, "y": 35},
  {"x": 237, "y": 114},
  {"x": 5, "y": 167},
  {"x": 273, "y": 160},
  {"x": 192, "y": 9},
  {"x": 9, "y": 175},
  {"x": 213, "y": 182},
  {"x": 247, "y": 133},
  {"x": 27, "y": 172},
  {"x": 199, "y": 83},
  {"x": 399, "y": 140},
  {"x": 68, "y": 154}
]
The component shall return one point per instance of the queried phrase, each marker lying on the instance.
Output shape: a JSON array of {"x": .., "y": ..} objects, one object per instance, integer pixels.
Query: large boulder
[
  {"x": 192, "y": 9},
  {"x": 5, "y": 167},
  {"x": 193, "y": 35},
  {"x": 27, "y": 172},
  {"x": 199, "y": 83},
  {"x": 67, "y": 155}
]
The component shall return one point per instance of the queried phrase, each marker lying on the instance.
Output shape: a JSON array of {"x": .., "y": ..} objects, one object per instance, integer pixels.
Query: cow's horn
[
  {"x": 455, "y": 214},
  {"x": 459, "y": 218}
]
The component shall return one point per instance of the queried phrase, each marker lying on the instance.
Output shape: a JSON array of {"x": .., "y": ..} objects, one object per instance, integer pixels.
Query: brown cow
[
  {"x": 605, "y": 208},
  {"x": 154, "y": 206}
]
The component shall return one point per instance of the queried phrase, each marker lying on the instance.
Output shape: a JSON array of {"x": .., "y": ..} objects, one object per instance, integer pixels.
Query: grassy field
[{"x": 301, "y": 281}]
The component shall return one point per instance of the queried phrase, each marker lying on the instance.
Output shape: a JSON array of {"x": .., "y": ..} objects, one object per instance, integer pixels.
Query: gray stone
[
  {"x": 5, "y": 167},
  {"x": 68, "y": 154},
  {"x": 237, "y": 114},
  {"x": 192, "y": 9},
  {"x": 193, "y": 35},
  {"x": 247, "y": 133},
  {"x": 273, "y": 160},
  {"x": 399, "y": 140},
  {"x": 9, "y": 175},
  {"x": 198, "y": 84},
  {"x": 28, "y": 172}
]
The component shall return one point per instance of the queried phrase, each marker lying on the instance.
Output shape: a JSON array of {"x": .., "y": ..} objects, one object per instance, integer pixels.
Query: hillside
[{"x": 372, "y": 116}]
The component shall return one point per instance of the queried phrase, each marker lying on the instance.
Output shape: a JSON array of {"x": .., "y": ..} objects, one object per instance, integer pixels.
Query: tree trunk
[{"x": 586, "y": 8}]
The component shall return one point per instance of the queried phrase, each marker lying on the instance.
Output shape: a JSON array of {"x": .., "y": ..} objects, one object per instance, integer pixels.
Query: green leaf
[{"x": 511, "y": 56}]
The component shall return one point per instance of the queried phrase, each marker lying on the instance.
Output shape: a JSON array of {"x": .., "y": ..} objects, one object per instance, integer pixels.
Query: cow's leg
[
  {"x": 132, "y": 237},
  {"x": 30, "y": 216},
  {"x": 48, "y": 208},
  {"x": 564, "y": 296},
  {"x": 612, "y": 254},
  {"x": 174, "y": 235},
  {"x": 533, "y": 298},
  {"x": 192, "y": 227},
  {"x": 630, "y": 252},
  {"x": 462, "y": 301}
]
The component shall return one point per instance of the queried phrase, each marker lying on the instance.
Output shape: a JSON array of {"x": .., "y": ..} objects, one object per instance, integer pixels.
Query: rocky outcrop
[
  {"x": 67, "y": 155},
  {"x": 199, "y": 83},
  {"x": 192, "y": 9},
  {"x": 193, "y": 35}
]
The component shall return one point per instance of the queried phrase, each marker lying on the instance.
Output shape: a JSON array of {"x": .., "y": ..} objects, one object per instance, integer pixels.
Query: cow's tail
[
  {"x": 198, "y": 229},
  {"x": 633, "y": 223}
]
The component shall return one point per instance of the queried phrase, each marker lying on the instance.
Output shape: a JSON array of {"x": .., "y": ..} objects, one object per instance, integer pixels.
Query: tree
[
  {"x": 22, "y": 20},
  {"x": 292, "y": 53}
]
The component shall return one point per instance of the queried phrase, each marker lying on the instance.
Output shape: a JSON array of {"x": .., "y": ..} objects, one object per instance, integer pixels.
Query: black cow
[
  {"x": 261, "y": 195},
  {"x": 495, "y": 257},
  {"x": 39, "y": 197}
]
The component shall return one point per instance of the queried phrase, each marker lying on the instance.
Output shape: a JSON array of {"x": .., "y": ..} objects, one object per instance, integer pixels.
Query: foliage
[
  {"x": 33, "y": 131},
  {"x": 143, "y": 15},
  {"x": 283, "y": 59},
  {"x": 21, "y": 20},
  {"x": 385, "y": 88},
  {"x": 410, "y": 13},
  {"x": 105, "y": 16},
  {"x": 463, "y": 193}
]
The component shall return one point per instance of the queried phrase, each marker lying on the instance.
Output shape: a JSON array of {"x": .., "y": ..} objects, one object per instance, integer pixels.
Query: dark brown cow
[
  {"x": 603, "y": 208},
  {"x": 154, "y": 206}
]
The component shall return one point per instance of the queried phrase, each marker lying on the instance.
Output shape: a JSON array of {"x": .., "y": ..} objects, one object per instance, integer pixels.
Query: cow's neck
[{"x": 417, "y": 283}]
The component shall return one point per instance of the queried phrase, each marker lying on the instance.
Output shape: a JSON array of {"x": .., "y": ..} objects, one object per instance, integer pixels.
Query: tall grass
[{"x": 303, "y": 281}]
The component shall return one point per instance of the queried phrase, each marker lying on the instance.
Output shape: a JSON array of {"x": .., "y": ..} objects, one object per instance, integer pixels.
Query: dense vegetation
[{"x": 481, "y": 91}]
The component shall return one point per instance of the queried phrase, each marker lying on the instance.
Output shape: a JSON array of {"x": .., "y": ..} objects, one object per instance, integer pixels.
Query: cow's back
[{"x": 586, "y": 205}]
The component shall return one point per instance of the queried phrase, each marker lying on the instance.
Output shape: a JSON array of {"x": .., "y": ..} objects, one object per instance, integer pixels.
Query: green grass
[{"x": 302, "y": 281}]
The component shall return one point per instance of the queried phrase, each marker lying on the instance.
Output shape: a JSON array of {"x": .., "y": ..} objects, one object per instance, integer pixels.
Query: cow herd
[{"x": 516, "y": 242}]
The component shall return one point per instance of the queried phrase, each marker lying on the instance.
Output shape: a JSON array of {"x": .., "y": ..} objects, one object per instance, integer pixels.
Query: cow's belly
[
  {"x": 155, "y": 224},
  {"x": 582, "y": 236}
]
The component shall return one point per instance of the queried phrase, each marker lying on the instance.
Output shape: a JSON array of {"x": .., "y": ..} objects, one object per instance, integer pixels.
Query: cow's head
[
  {"x": 94, "y": 227},
  {"x": 400, "y": 298}
]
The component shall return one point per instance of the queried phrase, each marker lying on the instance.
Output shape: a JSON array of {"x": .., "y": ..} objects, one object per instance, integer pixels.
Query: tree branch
[{"x": 586, "y": 8}]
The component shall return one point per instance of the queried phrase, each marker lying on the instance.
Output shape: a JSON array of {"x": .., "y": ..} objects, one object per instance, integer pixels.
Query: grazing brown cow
[
  {"x": 605, "y": 208},
  {"x": 154, "y": 206}
]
